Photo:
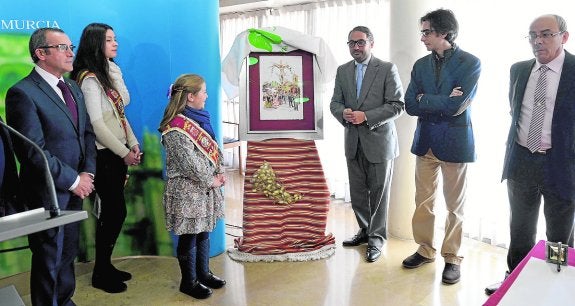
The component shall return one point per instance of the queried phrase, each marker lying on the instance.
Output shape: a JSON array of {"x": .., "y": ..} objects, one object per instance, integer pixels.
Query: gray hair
[
  {"x": 561, "y": 23},
  {"x": 38, "y": 39}
]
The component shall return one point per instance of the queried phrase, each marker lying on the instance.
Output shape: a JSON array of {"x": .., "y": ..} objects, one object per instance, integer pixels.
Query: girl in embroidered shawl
[
  {"x": 193, "y": 199},
  {"x": 106, "y": 95}
]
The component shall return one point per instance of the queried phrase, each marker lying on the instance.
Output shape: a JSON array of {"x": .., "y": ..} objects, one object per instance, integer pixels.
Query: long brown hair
[
  {"x": 91, "y": 54},
  {"x": 186, "y": 83}
]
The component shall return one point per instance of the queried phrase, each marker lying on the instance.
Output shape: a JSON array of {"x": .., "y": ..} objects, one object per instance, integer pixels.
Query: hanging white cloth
[{"x": 290, "y": 40}]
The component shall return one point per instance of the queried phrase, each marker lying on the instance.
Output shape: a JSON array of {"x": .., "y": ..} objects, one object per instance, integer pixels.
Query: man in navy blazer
[
  {"x": 547, "y": 170},
  {"x": 35, "y": 107},
  {"x": 440, "y": 92},
  {"x": 368, "y": 112}
]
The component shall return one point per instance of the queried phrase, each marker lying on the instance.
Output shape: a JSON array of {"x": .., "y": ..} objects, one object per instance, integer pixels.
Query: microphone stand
[{"x": 54, "y": 207}]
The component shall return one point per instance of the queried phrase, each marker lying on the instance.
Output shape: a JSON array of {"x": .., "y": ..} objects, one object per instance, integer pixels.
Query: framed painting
[{"x": 280, "y": 99}]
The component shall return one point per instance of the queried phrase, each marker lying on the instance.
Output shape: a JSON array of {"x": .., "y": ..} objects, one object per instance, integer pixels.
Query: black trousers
[
  {"x": 109, "y": 182},
  {"x": 52, "y": 279},
  {"x": 526, "y": 187}
]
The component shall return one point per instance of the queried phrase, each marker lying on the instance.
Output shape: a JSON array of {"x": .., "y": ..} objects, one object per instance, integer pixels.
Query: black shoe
[
  {"x": 121, "y": 275},
  {"x": 212, "y": 281},
  {"x": 451, "y": 274},
  {"x": 372, "y": 253},
  {"x": 107, "y": 284},
  {"x": 416, "y": 261},
  {"x": 489, "y": 290},
  {"x": 356, "y": 240},
  {"x": 196, "y": 290}
]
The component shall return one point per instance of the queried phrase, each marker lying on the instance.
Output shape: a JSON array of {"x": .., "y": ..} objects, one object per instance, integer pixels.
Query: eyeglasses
[
  {"x": 545, "y": 35},
  {"x": 60, "y": 47},
  {"x": 426, "y": 32},
  {"x": 360, "y": 43}
]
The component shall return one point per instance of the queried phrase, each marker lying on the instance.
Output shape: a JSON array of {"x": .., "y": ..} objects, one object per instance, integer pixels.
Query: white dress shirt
[{"x": 553, "y": 76}]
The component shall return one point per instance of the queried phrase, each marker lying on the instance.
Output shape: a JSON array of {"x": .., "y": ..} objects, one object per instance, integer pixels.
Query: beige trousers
[{"x": 454, "y": 184}]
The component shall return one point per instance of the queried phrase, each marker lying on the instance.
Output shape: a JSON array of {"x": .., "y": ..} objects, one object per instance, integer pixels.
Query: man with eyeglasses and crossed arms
[
  {"x": 540, "y": 146},
  {"x": 367, "y": 98},
  {"x": 442, "y": 86},
  {"x": 50, "y": 110}
]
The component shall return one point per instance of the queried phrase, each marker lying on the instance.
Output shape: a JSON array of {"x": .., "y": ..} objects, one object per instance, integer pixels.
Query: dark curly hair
[{"x": 442, "y": 21}]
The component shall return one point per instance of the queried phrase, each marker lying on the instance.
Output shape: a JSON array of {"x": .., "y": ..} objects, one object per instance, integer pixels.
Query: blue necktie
[
  {"x": 70, "y": 103},
  {"x": 358, "y": 77}
]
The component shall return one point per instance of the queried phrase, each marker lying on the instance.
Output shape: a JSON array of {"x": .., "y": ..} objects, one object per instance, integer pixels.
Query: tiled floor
[{"x": 343, "y": 279}]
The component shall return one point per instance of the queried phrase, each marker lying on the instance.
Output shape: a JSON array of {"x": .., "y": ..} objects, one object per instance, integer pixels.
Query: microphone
[{"x": 54, "y": 207}]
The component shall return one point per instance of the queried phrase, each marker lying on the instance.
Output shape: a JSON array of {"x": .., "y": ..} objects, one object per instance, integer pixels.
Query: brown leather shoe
[{"x": 416, "y": 261}]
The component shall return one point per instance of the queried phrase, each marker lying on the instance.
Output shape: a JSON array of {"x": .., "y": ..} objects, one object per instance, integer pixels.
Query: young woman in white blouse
[{"x": 106, "y": 95}]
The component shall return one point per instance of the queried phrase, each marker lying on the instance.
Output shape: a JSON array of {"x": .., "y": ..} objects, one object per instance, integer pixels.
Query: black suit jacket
[
  {"x": 35, "y": 110},
  {"x": 9, "y": 179},
  {"x": 560, "y": 168}
]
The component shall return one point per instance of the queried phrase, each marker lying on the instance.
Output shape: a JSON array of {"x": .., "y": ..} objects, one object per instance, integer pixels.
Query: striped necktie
[{"x": 536, "y": 126}]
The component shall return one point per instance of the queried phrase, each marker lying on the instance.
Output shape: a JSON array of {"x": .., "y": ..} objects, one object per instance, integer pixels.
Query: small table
[{"x": 538, "y": 251}]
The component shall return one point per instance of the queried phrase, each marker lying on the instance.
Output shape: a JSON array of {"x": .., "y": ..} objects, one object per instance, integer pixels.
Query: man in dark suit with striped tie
[
  {"x": 540, "y": 155},
  {"x": 50, "y": 110}
]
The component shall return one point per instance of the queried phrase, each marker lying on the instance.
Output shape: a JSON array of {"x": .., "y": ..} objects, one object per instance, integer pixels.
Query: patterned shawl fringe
[{"x": 324, "y": 252}]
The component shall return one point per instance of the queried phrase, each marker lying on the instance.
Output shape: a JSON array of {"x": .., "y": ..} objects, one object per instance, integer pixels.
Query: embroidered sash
[
  {"x": 113, "y": 96},
  {"x": 197, "y": 135}
]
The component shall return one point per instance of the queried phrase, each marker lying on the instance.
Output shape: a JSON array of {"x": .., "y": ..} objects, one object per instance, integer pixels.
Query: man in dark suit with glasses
[
  {"x": 50, "y": 110},
  {"x": 540, "y": 155}
]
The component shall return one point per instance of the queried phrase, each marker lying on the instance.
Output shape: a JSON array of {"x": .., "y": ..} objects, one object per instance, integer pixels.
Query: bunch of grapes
[{"x": 265, "y": 181}]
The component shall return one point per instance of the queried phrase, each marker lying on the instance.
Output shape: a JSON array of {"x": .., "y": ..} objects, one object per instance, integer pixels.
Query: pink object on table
[{"x": 538, "y": 251}]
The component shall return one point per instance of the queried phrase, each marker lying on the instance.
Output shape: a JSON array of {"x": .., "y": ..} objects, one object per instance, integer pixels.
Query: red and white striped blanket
[{"x": 270, "y": 228}]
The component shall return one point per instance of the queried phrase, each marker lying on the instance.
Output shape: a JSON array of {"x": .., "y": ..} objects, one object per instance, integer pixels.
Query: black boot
[
  {"x": 206, "y": 276},
  {"x": 102, "y": 281},
  {"x": 110, "y": 222},
  {"x": 105, "y": 276},
  {"x": 187, "y": 259},
  {"x": 121, "y": 275}
]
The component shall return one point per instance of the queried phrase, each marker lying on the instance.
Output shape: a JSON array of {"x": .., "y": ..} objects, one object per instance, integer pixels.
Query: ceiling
[{"x": 230, "y": 6}]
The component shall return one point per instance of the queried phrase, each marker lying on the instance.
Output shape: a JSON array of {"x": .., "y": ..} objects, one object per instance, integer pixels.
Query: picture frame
[{"x": 279, "y": 97}]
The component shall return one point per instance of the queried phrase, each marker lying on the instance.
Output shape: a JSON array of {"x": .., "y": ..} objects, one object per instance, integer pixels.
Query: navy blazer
[
  {"x": 9, "y": 175},
  {"x": 444, "y": 123},
  {"x": 560, "y": 166},
  {"x": 35, "y": 110},
  {"x": 380, "y": 98}
]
